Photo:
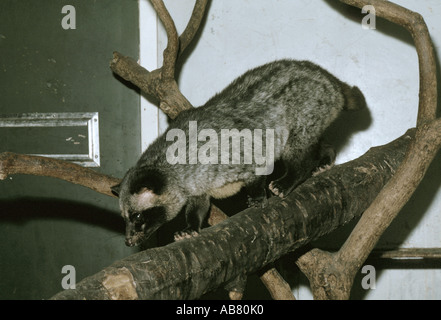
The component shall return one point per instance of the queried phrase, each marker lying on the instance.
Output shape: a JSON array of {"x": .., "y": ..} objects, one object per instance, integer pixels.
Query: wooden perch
[
  {"x": 414, "y": 23},
  {"x": 161, "y": 84},
  {"x": 172, "y": 101},
  {"x": 158, "y": 83},
  {"x": 251, "y": 239},
  {"x": 254, "y": 238},
  {"x": 332, "y": 274},
  {"x": 13, "y": 163}
]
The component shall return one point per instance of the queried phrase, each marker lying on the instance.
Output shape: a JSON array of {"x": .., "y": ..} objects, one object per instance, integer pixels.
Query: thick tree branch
[
  {"x": 161, "y": 84},
  {"x": 255, "y": 238},
  {"x": 331, "y": 274},
  {"x": 13, "y": 163},
  {"x": 251, "y": 239},
  {"x": 278, "y": 288}
]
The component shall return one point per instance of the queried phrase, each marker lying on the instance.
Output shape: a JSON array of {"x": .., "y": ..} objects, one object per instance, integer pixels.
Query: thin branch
[
  {"x": 128, "y": 69},
  {"x": 13, "y": 163},
  {"x": 415, "y": 24},
  {"x": 331, "y": 274},
  {"x": 278, "y": 288},
  {"x": 408, "y": 253},
  {"x": 421, "y": 152},
  {"x": 171, "y": 52},
  {"x": 193, "y": 25},
  {"x": 175, "y": 45},
  {"x": 160, "y": 83}
]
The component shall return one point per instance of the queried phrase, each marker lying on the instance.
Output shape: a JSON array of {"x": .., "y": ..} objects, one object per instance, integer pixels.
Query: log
[{"x": 252, "y": 239}]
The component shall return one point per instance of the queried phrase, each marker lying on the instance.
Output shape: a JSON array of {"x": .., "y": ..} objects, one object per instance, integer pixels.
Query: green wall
[{"x": 46, "y": 223}]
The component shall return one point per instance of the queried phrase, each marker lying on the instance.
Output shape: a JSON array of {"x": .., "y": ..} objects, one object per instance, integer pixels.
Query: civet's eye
[{"x": 136, "y": 217}]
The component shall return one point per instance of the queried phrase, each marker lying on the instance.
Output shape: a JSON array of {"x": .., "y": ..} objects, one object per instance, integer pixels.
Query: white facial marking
[{"x": 143, "y": 200}]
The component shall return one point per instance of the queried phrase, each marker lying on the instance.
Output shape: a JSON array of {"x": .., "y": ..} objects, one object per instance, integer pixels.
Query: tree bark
[
  {"x": 250, "y": 240},
  {"x": 13, "y": 163},
  {"x": 255, "y": 238},
  {"x": 414, "y": 23},
  {"x": 161, "y": 84},
  {"x": 331, "y": 274}
]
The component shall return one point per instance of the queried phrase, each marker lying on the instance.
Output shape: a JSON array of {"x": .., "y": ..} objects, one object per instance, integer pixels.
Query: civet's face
[{"x": 140, "y": 204}]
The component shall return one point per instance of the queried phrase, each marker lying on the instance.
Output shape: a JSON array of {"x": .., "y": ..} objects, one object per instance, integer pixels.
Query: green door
[{"x": 54, "y": 63}]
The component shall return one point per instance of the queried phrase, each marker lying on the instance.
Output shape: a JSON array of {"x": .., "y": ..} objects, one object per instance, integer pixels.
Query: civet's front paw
[{"x": 185, "y": 234}]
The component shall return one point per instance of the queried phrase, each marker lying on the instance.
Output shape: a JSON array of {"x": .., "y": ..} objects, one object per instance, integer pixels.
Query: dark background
[{"x": 46, "y": 223}]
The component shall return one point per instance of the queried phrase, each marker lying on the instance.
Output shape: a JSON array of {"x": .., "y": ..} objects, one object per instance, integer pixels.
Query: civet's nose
[{"x": 130, "y": 232}]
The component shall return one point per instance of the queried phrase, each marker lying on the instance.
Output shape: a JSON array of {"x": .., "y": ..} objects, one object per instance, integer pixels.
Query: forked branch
[
  {"x": 414, "y": 23},
  {"x": 332, "y": 279},
  {"x": 161, "y": 83},
  {"x": 332, "y": 275},
  {"x": 171, "y": 51},
  {"x": 192, "y": 26}
]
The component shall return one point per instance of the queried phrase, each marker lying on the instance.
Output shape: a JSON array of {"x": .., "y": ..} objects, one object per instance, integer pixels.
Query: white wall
[{"x": 240, "y": 34}]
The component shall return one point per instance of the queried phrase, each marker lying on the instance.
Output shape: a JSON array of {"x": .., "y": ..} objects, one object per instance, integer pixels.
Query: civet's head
[{"x": 146, "y": 203}]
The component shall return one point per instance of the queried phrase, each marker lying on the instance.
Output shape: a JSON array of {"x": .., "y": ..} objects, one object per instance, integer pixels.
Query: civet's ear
[{"x": 116, "y": 189}]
